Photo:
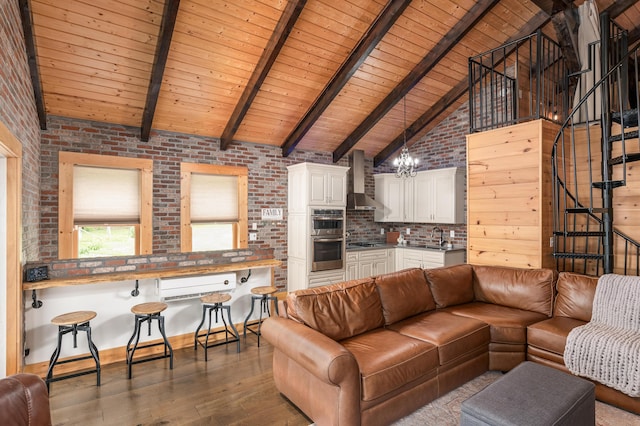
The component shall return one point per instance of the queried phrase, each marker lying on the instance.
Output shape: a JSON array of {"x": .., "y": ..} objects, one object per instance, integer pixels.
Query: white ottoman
[{"x": 533, "y": 395}]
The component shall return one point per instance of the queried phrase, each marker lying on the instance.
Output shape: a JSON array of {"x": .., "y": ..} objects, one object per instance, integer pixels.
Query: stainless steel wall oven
[{"x": 327, "y": 239}]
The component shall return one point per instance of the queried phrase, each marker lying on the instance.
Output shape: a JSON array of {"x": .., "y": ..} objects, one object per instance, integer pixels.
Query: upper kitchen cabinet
[
  {"x": 320, "y": 185},
  {"x": 432, "y": 196}
]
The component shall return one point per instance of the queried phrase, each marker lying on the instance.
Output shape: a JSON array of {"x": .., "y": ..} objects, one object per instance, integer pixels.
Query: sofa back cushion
[
  {"x": 404, "y": 294},
  {"x": 526, "y": 289},
  {"x": 451, "y": 285},
  {"x": 338, "y": 310},
  {"x": 575, "y": 296}
]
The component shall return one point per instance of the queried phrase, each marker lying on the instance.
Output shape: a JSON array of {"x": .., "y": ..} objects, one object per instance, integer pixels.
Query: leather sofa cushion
[
  {"x": 551, "y": 335},
  {"x": 338, "y": 310},
  {"x": 507, "y": 325},
  {"x": 454, "y": 335},
  {"x": 404, "y": 294},
  {"x": 575, "y": 296},
  {"x": 526, "y": 289},
  {"x": 389, "y": 360},
  {"x": 451, "y": 285}
]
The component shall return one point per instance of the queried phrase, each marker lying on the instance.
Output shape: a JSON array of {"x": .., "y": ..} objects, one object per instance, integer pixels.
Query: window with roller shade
[
  {"x": 105, "y": 206},
  {"x": 214, "y": 207}
]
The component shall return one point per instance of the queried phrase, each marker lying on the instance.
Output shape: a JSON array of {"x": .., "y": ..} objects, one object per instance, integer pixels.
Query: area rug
[{"x": 445, "y": 410}]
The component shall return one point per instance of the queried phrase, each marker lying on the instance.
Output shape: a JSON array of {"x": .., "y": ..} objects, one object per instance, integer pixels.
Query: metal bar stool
[
  {"x": 73, "y": 322},
  {"x": 147, "y": 312},
  {"x": 214, "y": 303},
  {"x": 264, "y": 295}
]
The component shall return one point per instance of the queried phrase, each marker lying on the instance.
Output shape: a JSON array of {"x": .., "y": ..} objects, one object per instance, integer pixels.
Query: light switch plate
[
  {"x": 253, "y": 236},
  {"x": 452, "y": 233},
  {"x": 408, "y": 231}
]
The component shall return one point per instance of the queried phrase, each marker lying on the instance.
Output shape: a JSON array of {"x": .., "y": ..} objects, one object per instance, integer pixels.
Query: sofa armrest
[
  {"x": 24, "y": 400},
  {"x": 320, "y": 355}
]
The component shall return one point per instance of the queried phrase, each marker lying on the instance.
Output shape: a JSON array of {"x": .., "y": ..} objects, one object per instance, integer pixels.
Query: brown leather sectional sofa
[{"x": 373, "y": 350}]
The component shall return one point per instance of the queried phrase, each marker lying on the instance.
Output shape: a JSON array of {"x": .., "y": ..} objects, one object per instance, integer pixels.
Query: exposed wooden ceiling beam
[
  {"x": 634, "y": 36},
  {"x": 618, "y": 7},
  {"x": 539, "y": 20},
  {"x": 551, "y": 7},
  {"x": 162, "y": 52},
  {"x": 271, "y": 51},
  {"x": 472, "y": 17},
  {"x": 384, "y": 21},
  {"x": 566, "y": 25},
  {"x": 32, "y": 58}
]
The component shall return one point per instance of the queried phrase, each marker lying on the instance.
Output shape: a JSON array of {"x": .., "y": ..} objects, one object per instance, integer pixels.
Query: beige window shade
[
  {"x": 104, "y": 195},
  {"x": 214, "y": 198}
]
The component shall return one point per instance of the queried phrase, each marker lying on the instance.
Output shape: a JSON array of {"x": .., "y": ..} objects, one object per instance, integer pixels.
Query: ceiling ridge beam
[
  {"x": 462, "y": 87},
  {"x": 618, "y": 7},
  {"x": 32, "y": 58},
  {"x": 383, "y": 22},
  {"x": 430, "y": 60},
  {"x": 271, "y": 51},
  {"x": 160, "y": 61}
]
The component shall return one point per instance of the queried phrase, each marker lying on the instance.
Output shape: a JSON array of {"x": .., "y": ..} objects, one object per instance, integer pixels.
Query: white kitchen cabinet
[
  {"x": 351, "y": 269},
  {"x": 421, "y": 258},
  {"x": 326, "y": 277},
  {"x": 367, "y": 263},
  {"x": 432, "y": 196},
  {"x": 320, "y": 185}
]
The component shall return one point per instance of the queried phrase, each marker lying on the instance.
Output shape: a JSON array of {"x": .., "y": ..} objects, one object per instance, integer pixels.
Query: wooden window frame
[
  {"x": 67, "y": 234},
  {"x": 240, "y": 228}
]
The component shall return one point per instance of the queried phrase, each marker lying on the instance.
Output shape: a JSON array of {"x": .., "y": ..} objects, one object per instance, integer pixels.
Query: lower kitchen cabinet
[
  {"x": 366, "y": 263},
  {"x": 326, "y": 277},
  {"x": 420, "y": 258}
]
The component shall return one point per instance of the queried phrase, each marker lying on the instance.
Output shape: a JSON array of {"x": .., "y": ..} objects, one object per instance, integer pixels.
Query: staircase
[{"x": 593, "y": 162}]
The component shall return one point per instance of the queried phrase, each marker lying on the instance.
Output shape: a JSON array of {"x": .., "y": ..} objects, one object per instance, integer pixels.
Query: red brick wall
[
  {"x": 18, "y": 114},
  {"x": 267, "y": 178}
]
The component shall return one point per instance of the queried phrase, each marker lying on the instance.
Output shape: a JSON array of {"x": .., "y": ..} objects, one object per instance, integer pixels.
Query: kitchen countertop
[{"x": 380, "y": 246}]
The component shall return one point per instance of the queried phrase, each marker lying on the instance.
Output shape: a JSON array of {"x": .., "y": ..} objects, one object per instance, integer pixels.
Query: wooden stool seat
[
  {"x": 72, "y": 318},
  {"x": 261, "y": 291},
  {"x": 149, "y": 308},
  {"x": 211, "y": 299}
]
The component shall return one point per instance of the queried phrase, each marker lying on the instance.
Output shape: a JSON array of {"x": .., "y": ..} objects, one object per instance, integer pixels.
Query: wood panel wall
[{"x": 509, "y": 195}]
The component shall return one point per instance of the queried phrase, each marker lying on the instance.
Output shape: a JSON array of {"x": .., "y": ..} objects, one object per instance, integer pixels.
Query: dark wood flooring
[{"x": 230, "y": 389}]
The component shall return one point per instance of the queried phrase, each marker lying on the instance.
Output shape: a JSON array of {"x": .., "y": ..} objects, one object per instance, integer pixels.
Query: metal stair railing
[{"x": 584, "y": 160}]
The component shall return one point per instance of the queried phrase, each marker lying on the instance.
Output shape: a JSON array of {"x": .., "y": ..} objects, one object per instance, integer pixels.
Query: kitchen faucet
[{"x": 438, "y": 229}]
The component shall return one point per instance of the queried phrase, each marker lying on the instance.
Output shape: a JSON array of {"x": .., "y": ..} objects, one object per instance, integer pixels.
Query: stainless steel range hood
[{"x": 356, "y": 198}]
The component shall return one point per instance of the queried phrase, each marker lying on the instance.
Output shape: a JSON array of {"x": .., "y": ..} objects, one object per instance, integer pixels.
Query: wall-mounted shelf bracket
[{"x": 36, "y": 304}]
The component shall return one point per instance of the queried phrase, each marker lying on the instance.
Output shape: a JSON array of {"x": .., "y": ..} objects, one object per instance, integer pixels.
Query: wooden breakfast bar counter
[{"x": 112, "y": 294}]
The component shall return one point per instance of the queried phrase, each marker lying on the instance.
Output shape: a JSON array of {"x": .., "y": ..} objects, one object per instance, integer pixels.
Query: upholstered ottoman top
[{"x": 532, "y": 394}]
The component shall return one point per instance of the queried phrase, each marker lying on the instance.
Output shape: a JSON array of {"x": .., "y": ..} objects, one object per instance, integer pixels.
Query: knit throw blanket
[{"x": 607, "y": 349}]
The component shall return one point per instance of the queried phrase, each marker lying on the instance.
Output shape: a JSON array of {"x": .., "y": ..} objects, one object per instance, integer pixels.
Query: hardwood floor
[{"x": 231, "y": 389}]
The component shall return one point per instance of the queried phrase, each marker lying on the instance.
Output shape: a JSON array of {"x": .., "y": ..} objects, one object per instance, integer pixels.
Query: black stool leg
[
  {"x": 195, "y": 337},
  {"x": 94, "y": 353},
  {"x": 236, "y": 335},
  {"x": 253, "y": 299},
  {"x": 54, "y": 356},
  {"x": 136, "y": 335},
  {"x": 166, "y": 342}
]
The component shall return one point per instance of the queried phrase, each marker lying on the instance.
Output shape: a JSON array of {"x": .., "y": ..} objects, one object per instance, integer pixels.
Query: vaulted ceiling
[{"x": 324, "y": 75}]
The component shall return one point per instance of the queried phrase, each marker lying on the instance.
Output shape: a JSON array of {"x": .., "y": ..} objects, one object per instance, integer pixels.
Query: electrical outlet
[
  {"x": 408, "y": 231},
  {"x": 381, "y": 231},
  {"x": 253, "y": 236},
  {"x": 452, "y": 233},
  {"x": 550, "y": 241},
  {"x": 254, "y": 226}
]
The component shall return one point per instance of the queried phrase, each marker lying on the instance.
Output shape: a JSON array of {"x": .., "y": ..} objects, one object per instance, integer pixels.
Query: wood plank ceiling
[{"x": 322, "y": 75}]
